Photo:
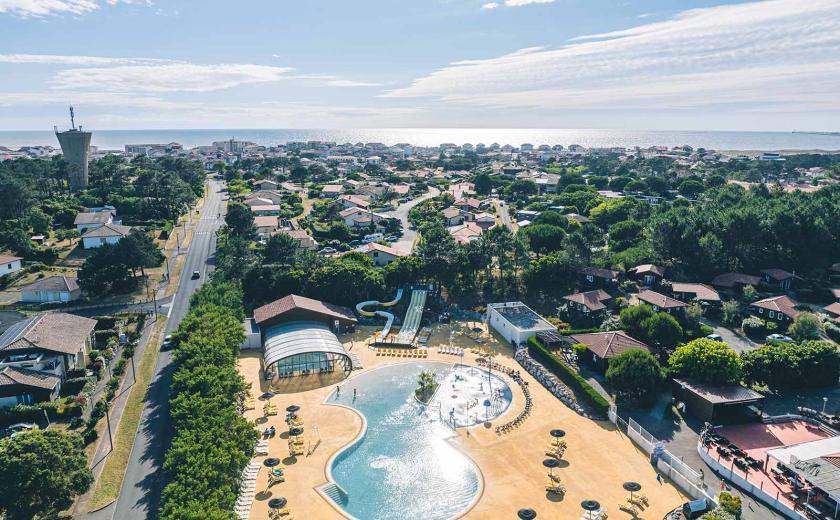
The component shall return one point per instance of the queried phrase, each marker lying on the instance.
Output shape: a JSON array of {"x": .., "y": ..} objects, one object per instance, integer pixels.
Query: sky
[{"x": 644, "y": 64}]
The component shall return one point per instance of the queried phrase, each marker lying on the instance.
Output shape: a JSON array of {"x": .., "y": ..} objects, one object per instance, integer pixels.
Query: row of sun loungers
[
  {"x": 600, "y": 514},
  {"x": 403, "y": 352},
  {"x": 262, "y": 447},
  {"x": 555, "y": 486},
  {"x": 247, "y": 490},
  {"x": 454, "y": 351},
  {"x": 529, "y": 402}
]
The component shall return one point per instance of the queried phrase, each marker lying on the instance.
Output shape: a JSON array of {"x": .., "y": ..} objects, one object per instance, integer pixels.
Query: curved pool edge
[{"x": 361, "y": 434}]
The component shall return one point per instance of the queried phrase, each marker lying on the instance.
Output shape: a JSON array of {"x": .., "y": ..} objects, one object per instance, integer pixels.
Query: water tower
[{"x": 75, "y": 146}]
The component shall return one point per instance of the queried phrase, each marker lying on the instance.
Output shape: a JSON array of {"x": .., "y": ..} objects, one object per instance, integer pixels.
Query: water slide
[
  {"x": 389, "y": 318},
  {"x": 411, "y": 323}
]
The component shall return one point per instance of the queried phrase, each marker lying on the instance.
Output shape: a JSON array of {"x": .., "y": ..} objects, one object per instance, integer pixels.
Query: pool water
[{"x": 403, "y": 466}]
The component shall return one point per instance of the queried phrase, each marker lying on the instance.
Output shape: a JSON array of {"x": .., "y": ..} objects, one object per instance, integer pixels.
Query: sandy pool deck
[{"x": 599, "y": 458}]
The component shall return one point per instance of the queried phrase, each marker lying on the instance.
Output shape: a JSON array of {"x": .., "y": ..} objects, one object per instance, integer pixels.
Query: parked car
[
  {"x": 328, "y": 251},
  {"x": 392, "y": 238},
  {"x": 354, "y": 243},
  {"x": 167, "y": 342},
  {"x": 715, "y": 337},
  {"x": 779, "y": 338},
  {"x": 373, "y": 237},
  {"x": 196, "y": 275}
]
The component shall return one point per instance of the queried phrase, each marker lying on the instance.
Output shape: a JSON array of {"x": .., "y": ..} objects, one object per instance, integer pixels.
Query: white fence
[{"x": 672, "y": 467}]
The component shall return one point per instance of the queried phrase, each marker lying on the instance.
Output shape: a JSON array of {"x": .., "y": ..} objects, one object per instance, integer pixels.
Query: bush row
[
  {"x": 567, "y": 375},
  {"x": 212, "y": 442}
]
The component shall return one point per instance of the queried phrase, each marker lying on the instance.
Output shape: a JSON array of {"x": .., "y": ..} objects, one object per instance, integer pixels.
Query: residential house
[
  {"x": 105, "y": 234},
  {"x": 372, "y": 191},
  {"x": 833, "y": 309},
  {"x": 660, "y": 302},
  {"x": 305, "y": 241},
  {"x": 777, "y": 278},
  {"x": 485, "y": 220},
  {"x": 86, "y": 221},
  {"x": 266, "y": 225},
  {"x": 603, "y": 346},
  {"x": 695, "y": 291},
  {"x": 401, "y": 190},
  {"x": 580, "y": 219},
  {"x": 778, "y": 308},
  {"x": 51, "y": 289},
  {"x": 274, "y": 196},
  {"x": 266, "y": 184},
  {"x": 648, "y": 274},
  {"x": 590, "y": 303},
  {"x": 468, "y": 204},
  {"x": 735, "y": 280},
  {"x": 36, "y": 355},
  {"x": 331, "y": 190},
  {"x": 354, "y": 201},
  {"x": 453, "y": 216},
  {"x": 381, "y": 255},
  {"x": 362, "y": 218},
  {"x": 600, "y": 277},
  {"x": 466, "y": 232},
  {"x": 9, "y": 264},
  {"x": 265, "y": 210},
  {"x": 461, "y": 189},
  {"x": 257, "y": 201}
]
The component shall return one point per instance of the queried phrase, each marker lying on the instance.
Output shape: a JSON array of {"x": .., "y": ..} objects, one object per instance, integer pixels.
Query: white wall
[
  {"x": 94, "y": 242},
  {"x": 11, "y": 267}
]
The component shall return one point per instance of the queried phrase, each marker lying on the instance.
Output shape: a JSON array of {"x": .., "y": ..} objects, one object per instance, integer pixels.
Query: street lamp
[{"x": 825, "y": 401}]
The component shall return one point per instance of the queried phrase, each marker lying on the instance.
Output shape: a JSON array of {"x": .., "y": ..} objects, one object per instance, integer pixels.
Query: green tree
[
  {"x": 806, "y": 326},
  {"x": 240, "y": 220},
  {"x": 483, "y": 184},
  {"x": 544, "y": 238},
  {"x": 634, "y": 320},
  {"x": 663, "y": 330},
  {"x": 635, "y": 376},
  {"x": 706, "y": 361},
  {"x": 42, "y": 471},
  {"x": 280, "y": 249},
  {"x": 811, "y": 364}
]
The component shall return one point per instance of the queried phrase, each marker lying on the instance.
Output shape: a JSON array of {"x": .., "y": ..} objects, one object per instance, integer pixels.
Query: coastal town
[{"x": 239, "y": 329}]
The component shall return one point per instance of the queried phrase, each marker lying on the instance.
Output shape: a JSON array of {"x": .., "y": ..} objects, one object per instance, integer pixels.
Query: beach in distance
[{"x": 717, "y": 140}]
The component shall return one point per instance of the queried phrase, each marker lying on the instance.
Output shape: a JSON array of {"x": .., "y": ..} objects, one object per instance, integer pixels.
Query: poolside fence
[{"x": 666, "y": 462}]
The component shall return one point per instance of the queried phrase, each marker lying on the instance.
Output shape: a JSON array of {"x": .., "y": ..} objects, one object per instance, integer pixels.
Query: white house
[
  {"x": 105, "y": 234},
  {"x": 87, "y": 221},
  {"x": 515, "y": 321},
  {"x": 9, "y": 264},
  {"x": 381, "y": 255},
  {"x": 51, "y": 289},
  {"x": 266, "y": 225}
]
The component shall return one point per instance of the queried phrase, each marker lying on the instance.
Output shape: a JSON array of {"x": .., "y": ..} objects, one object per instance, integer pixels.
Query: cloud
[
  {"x": 779, "y": 54},
  {"x": 41, "y": 8},
  {"x": 169, "y": 77},
  {"x": 514, "y": 3},
  {"x": 55, "y": 59},
  {"x": 352, "y": 83}
]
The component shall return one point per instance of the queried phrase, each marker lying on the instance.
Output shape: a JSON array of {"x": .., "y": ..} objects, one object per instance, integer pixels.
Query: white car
[
  {"x": 715, "y": 337},
  {"x": 328, "y": 251},
  {"x": 780, "y": 338}
]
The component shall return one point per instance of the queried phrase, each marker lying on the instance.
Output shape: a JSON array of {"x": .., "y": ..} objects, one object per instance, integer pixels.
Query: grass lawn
[{"x": 109, "y": 483}]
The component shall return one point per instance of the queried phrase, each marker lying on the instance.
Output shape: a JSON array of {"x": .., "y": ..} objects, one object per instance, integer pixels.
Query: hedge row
[
  {"x": 567, "y": 375},
  {"x": 213, "y": 442}
]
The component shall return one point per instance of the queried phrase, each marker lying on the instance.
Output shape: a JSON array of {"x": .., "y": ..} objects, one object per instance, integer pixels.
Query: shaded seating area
[{"x": 529, "y": 402}]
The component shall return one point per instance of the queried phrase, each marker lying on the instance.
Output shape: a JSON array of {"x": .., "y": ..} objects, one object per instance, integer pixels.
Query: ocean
[{"x": 718, "y": 140}]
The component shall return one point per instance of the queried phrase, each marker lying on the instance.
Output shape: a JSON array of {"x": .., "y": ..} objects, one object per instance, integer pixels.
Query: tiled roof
[
  {"x": 108, "y": 230},
  {"x": 648, "y": 268},
  {"x": 465, "y": 232},
  {"x": 100, "y": 217},
  {"x": 11, "y": 376},
  {"x": 732, "y": 279},
  {"x": 7, "y": 259},
  {"x": 53, "y": 283},
  {"x": 609, "y": 344},
  {"x": 660, "y": 300},
  {"x": 699, "y": 290},
  {"x": 834, "y": 308},
  {"x": 266, "y": 221},
  {"x": 293, "y": 301},
  {"x": 784, "y": 304},
  {"x": 373, "y": 246},
  {"x": 451, "y": 212},
  {"x": 777, "y": 274},
  {"x": 592, "y": 299},
  {"x": 53, "y": 331}
]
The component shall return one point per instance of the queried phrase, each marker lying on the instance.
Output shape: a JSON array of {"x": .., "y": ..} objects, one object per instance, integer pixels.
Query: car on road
[
  {"x": 715, "y": 337},
  {"x": 779, "y": 338},
  {"x": 328, "y": 251},
  {"x": 196, "y": 275},
  {"x": 392, "y": 238},
  {"x": 167, "y": 342}
]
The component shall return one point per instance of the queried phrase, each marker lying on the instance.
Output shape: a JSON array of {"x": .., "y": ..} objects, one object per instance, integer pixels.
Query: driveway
[
  {"x": 406, "y": 243},
  {"x": 738, "y": 342}
]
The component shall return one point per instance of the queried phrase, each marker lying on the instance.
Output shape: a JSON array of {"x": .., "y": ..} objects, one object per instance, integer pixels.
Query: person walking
[{"x": 659, "y": 478}]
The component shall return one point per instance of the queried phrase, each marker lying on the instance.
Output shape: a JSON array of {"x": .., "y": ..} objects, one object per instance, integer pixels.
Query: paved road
[
  {"x": 141, "y": 487},
  {"x": 738, "y": 342},
  {"x": 406, "y": 242},
  {"x": 503, "y": 213}
]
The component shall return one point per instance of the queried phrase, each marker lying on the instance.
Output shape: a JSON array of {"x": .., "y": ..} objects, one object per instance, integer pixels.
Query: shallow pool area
[
  {"x": 403, "y": 466},
  {"x": 470, "y": 395}
]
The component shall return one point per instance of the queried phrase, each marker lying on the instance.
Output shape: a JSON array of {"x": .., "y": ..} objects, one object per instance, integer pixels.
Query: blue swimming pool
[{"x": 403, "y": 467}]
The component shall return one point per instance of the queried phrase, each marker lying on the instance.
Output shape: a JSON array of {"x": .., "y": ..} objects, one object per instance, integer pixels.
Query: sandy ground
[{"x": 598, "y": 459}]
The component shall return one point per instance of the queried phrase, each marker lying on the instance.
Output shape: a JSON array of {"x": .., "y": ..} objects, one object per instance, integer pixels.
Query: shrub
[
  {"x": 568, "y": 375},
  {"x": 635, "y": 375},
  {"x": 76, "y": 423},
  {"x": 806, "y": 326},
  {"x": 706, "y": 361},
  {"x": 730, "y": 503},
  {"x": 810, "y": 364},
  {"x": 119, "y": 367},
  {"x": 832, "y": 331},
  {"x": 753, "y": 327},
  {"x": 89, "y": 436}
]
